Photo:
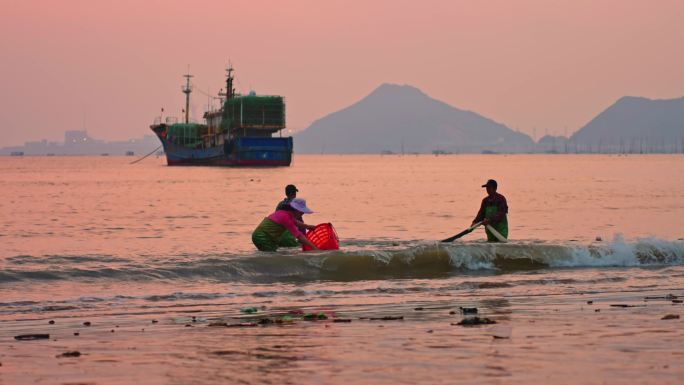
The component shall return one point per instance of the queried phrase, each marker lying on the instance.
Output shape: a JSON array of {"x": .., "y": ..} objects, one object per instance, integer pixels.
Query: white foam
[{"x": 618, "y": 253}]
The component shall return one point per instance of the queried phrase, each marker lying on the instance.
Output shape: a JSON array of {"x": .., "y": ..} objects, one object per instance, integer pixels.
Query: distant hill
[
  {"x": 635, "y": 121},
  {"x": 400, "y": 118}
]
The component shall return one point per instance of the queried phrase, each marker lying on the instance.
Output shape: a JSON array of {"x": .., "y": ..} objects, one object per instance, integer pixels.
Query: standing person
[
  {"x": 287, "y": 239},
  {"x": 266, "y": 236},
  {"x": 493, "y": 211},
  {"x": 290, "y": 194}
]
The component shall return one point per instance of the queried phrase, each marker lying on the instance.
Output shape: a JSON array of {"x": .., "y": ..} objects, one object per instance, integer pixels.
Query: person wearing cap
[
  {"x": 290, "y": 194},
  {"x": 287, "y": 240},
  {"x": 493, "y": 211},
  {"x": 266, "y": 236}
]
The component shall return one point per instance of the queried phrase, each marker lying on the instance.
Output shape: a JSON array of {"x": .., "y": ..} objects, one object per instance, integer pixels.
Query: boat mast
[
  {"x": 230, "y": 91},
  {"x": 187, "y": 89}
]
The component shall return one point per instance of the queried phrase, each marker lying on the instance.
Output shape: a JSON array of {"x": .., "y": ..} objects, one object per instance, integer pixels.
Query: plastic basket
[{"x": 324, "y": 237}]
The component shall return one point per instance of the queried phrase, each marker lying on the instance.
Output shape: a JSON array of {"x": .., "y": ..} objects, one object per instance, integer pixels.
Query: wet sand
[{"x": 594, "y": 338}]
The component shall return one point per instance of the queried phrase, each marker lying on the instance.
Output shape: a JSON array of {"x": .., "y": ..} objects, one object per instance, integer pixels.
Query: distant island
[
  {"x": 77, "y": 142},
  {"x": 403, "y": 119},
  {"x": 635, "y": 125},
  {"x": 396, "y": 119}
]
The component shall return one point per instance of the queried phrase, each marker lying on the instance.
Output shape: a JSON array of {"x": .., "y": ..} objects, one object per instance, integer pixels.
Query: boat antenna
[
  {"x": 187, "y": 89},
  {"x": 230, "y": 91}
]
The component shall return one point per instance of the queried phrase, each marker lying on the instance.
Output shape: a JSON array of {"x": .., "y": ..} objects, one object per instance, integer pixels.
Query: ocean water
[{"x": 152, "y": 255}]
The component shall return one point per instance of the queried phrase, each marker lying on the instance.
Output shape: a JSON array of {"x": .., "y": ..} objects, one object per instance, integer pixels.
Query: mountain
[
  {"x": 634, "y": 120},
  {"x": 401, "y": 118}
]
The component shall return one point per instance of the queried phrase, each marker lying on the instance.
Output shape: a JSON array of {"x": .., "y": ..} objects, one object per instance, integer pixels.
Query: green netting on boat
[
  {"x": 186, "y": 134},
  {"x": 254, "y": 111}
]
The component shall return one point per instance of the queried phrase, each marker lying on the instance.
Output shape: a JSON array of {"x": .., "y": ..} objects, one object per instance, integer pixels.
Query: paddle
[
  {"x": 462, "y": 233},
  {"x": 496, "y": 234}
]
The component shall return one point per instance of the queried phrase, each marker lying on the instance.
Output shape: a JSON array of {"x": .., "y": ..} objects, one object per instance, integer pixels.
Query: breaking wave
[{"x": 369, "y": 261}]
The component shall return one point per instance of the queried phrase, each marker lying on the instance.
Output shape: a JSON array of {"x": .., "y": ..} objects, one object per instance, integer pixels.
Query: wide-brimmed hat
[{"x": 299, "y": 204}]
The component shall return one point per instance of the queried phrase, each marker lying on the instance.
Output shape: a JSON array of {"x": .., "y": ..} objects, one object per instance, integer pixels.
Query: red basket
[{"x": 324, "y": 237}]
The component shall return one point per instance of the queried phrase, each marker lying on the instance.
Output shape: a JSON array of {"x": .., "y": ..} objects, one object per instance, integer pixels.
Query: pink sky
[{"x": 532, "y": 64}]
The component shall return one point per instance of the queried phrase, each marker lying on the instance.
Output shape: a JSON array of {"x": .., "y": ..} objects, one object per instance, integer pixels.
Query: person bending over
[
  {"x": 267, "y": 235},
  {"x": 287, "y": 239}
]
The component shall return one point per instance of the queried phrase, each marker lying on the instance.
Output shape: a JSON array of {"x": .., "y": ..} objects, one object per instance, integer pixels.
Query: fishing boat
[{"x": 239, "y": 133}]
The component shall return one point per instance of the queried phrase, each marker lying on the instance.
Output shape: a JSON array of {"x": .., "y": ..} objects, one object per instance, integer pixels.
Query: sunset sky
[{"x": 534, "y": 65}]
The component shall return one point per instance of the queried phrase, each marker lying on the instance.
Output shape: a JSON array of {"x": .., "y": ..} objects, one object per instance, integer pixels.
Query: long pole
[{"x": 187, "y": 90}]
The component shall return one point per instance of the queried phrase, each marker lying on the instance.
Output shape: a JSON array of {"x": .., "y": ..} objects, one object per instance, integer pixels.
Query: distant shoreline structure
[{"x": 77, "y": 142}]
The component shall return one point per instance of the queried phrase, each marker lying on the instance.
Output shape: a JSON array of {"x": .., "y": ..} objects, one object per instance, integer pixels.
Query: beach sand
[{"x": 582, "y": 338}]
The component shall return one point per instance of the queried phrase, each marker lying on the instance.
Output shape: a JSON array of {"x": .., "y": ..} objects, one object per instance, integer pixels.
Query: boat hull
[{"x": 238, "y": 152}]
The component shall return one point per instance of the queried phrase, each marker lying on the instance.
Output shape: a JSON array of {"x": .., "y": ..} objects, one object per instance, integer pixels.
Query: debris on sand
[
  {"x": 342, "y": 320},
  {"x": 387, "y": 318},
  {"x": 468, "y": 310},
  {"x": 314, "y": 316},
  {"x": 87, "y": 323},
  {"x": 666, "y": 297},
  {"x": 154, "y": 321},
  {"x": 228, "y": 353},
  {"x": 671, "y": 316},
  {"x": 474, "y": 321},
  {"x": 51, "y": 322},
  {"x": 214, "y": 324},
  {"x": 677, "y": 301},
  {"x": 419, "y": 308},
  {"x": 74, "y": 353},
  {"x": 31, "y": 337},
  {"x": 284, "y": 319},
  {"x": 625, "y": 305},
  {"x": 238, "y": 325},
  {"x": 452, "y": 312},
  {"x": 590, "y": 302},
  {"x": 243, "y": 325}
]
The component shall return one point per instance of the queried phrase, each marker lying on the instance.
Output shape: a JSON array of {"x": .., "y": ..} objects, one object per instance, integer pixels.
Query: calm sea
[{"x": 98, "y": 239}]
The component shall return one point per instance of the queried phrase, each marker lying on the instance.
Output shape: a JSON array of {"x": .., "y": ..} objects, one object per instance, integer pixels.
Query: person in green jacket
[{"x": 493, "y": 211}]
